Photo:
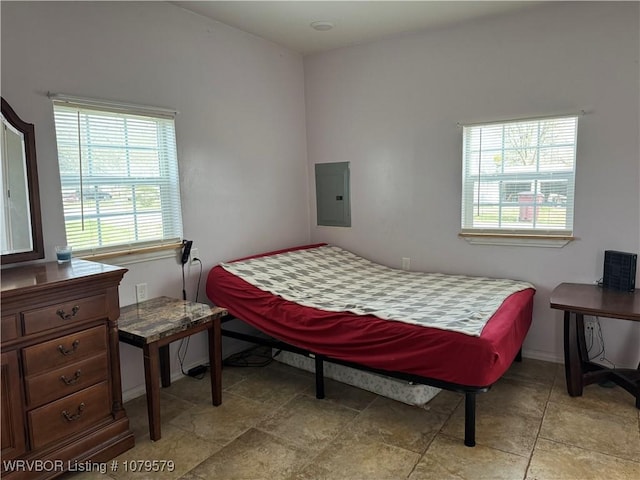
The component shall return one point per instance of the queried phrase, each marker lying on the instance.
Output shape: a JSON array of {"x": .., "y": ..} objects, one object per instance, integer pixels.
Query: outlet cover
[{"x": 141, "y": 292}]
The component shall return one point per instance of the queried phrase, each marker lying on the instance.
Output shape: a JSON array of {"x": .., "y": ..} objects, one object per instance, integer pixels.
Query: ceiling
[{"x": 287, "y": 23}]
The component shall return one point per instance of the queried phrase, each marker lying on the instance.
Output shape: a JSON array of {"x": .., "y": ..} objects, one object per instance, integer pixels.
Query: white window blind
[
  {"x": 518, "y": 177},
  {"x": 119, "y": 177}
]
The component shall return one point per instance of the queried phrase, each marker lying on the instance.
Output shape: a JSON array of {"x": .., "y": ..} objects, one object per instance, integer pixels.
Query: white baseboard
[
  {"x": 545, "y": 356},
  {"x": 230, "y": 347},
  {"x": 135, "y": 392},
  {"x": 140, "y": 390}
]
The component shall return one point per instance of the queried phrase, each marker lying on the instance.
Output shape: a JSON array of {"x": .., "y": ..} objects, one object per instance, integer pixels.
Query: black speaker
[{"x": 619, "y": 271}]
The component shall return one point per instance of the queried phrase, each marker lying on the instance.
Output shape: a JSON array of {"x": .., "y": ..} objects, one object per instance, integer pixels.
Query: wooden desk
[
  {"x": 578, "y": 300},
  {"x": 152, "y": 325}
]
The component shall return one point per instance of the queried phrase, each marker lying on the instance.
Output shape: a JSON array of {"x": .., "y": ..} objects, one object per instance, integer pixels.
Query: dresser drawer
[
  {"x": 66, "y": 380},
  {"x": 64, "y": 351},
  {"x": 69, "y": 415},
  {"x": 9, "y": 327},
  {"x": 62, "y": 314}
]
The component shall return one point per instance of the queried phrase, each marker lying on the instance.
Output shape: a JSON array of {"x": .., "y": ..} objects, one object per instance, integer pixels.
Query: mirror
[{"x": 21, "y": 234}]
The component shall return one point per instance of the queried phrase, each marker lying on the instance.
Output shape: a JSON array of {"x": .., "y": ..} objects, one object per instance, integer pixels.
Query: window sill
[
  {"x": 518, "y": 240},
  {"x": 133, "y": 255}
]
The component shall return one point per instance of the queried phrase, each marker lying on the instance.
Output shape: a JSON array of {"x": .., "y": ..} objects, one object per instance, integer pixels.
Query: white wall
[
  {"x": 391, "y": 108},
  {"x": 240, "y": 130}
]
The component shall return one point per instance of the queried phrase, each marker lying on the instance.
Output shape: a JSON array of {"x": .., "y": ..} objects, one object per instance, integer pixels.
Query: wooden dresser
[{"x": 61, "y": 388}]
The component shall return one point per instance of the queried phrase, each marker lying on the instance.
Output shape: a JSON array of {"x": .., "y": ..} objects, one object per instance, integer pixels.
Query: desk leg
[
  {"x": 572, "y": 360},
  {"x": 215, "y": 361},
  {"x": 152, "y": 382},
  {"x": 165, "y": 366}
]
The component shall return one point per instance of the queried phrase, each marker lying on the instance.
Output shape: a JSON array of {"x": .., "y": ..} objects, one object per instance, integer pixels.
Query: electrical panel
[{"x": 333, "y": 203}]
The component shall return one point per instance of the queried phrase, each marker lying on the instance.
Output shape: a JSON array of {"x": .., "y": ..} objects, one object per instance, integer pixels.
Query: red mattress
[{"x": 383, "y": 344}]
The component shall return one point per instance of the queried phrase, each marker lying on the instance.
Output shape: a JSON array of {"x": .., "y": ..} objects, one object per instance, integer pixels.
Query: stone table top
[{"x": 149, "y": 321}]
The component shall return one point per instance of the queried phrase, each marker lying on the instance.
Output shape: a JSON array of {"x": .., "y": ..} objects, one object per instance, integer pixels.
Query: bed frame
[{"x": 468, "y": 391}]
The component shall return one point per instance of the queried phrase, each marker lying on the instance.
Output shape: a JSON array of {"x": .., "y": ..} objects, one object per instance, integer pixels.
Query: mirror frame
[{"x": 27, "y": 129}]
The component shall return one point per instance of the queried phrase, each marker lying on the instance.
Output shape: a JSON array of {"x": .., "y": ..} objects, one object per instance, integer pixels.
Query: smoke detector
[{"x": 322, "y": 26}]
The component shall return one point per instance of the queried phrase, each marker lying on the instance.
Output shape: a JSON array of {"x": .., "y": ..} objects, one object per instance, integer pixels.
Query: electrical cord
[
  {"x": 185, "y": 341},
  {"x": 203, "y": 368},
  {"x": 603, "y": 357},
  {"x": 590, "y": 340},
  {"x": 199, "y": 276},
  {"x": 256, "y": 356},
  {"x": 184, "y": 290},
  {"x": 601, "y": 354}
]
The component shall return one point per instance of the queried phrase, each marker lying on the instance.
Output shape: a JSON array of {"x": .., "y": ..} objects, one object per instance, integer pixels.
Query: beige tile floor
[{"x": 270, "y": 426}]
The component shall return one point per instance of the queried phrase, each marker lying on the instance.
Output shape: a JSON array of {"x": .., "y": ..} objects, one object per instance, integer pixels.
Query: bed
[{"x": 433, "y": 336}]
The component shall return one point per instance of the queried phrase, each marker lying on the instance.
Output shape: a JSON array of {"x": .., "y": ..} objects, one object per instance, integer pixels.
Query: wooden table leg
[
  {"x": 215, "y": 361},
  {"x": 572, "y": 361},
  {"x": 152, "y": 382},
  {"x": 165, "y": 366}
]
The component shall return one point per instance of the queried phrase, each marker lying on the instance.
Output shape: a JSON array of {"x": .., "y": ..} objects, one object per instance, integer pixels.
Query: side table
[
  {"x": 578, "y": 300},
  {"x": 152, "y": 325}
]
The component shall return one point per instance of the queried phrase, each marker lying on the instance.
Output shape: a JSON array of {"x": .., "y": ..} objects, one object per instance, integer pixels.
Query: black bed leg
[
  {"x": 519, "y": 355},
  {"x": 319, "y": 377},
  {"x": 470, "y": 419}
]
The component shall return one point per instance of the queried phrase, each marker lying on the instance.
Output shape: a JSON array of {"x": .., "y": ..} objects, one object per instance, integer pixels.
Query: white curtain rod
[
  {"x": 110, "y": 104},
  {"x": 524, "y": 119}
]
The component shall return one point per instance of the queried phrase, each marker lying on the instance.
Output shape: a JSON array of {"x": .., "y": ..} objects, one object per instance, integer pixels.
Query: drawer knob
[
  {"x": 72, "y": 417},
  {"x": 74, "y": 347},
  {"x": 74, "y": 379},
  {"x": 67, "y": 316}
]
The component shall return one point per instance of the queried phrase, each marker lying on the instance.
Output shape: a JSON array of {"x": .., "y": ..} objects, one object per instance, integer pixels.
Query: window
[
  {"x": 518, "y": 177},
  {"x": 119, "y": 176}
]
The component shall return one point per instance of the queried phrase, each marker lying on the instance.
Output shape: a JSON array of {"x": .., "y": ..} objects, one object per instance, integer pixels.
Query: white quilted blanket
[{"x": 330, "y": 278}]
